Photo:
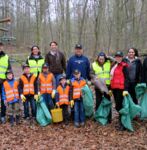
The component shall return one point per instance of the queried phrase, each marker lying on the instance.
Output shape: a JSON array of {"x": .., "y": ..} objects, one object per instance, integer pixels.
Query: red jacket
[{"x": 118, "y": 80}]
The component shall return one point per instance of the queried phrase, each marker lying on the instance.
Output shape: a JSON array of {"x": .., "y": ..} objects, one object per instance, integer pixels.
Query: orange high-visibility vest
[
  {"x": 46, "y": 85},
  {"x": 63, "y": 95},
  {"x": 28, "y": 86},
  {"x": 77, "y": 86},
  {"x": 11, "y": 92}
]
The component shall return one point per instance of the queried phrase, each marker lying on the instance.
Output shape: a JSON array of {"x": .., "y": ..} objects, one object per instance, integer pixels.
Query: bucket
[{"x": 57, "y": 115}]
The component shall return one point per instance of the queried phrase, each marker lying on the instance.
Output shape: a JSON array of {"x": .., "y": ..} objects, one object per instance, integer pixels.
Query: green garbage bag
[
  {"x": 43, "y": 115},
  {"x": 88, "y": 101},
  {"x": 128, "y": 112},
  {"x": 101, "y": 114},
  {"x": 141, "y": 94}
]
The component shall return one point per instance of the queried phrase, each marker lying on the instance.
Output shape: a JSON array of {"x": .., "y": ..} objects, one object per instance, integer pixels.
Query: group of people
[{"x": 60, "y": 83}]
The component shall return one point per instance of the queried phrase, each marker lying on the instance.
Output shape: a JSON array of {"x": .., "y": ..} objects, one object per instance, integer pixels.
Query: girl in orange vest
[
  {"x": 47, "y": 86},
  {"x": 28, "y": 92},
  {"x": 62, "y": 97},
  {"x": 10, "y": 96},
  {"x": 77, "y": 83}
]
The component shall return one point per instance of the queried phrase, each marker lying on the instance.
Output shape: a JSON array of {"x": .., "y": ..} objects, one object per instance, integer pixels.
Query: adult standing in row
[
  {"x": 35, "y": 60},
  {"x": 78, "y": 62},
  {"x": 4, "y": 66},
  {"x": 56, "y": 61},
  {"x": 101, "y": 69},
  {"x": 135, "y": 72},
  {"x": 119, "y": 83}
]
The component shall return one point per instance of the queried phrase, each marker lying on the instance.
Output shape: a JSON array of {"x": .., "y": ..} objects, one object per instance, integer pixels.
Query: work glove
[
  {"x": 53, "y": 93},
  {"x": 125, "y": 93},
  {"x": 68, "y": 82},
  {"x": 36, "y": 97},
  {"x": 39, "y": 94},
  {"x": 110, "y": 93},
  {"x": 72, "y": 103},
  {"x": 57, "y": 104},
  {"x": 23, "y": 98},
  {"x": 89, "y": 83}
]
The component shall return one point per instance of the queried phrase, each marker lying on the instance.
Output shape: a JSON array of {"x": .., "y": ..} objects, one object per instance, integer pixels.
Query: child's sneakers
[
  {"x": 77, "y": 125},
  {"x": 82, "y": 124}
]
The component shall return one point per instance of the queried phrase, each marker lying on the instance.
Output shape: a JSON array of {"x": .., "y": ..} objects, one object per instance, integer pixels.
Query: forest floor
[
  {"x": 93, "y": 136},
  {"x": 28, "y": 136}
]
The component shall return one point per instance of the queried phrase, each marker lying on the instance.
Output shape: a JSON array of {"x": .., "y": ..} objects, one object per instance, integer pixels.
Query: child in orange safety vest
[
  {"x": 62, "y": 97},
  {"x": 47, "y": 86},
  {"x": 28, "y": 92},
  {"x": 10, "y": 96},
  {"x": 77, "y": 83}
]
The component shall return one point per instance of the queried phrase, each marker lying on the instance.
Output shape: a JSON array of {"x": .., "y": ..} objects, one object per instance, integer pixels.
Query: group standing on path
[{"x": 61, "y": 84}]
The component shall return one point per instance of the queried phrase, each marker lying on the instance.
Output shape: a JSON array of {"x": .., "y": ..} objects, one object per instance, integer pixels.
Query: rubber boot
[
  {"x": 11, "y": 121},
  {"x": 17, "y": 119}
]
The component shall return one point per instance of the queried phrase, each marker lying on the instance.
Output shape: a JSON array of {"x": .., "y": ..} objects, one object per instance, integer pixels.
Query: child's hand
[
  {"x": 72, "y": 103},
  {"x": 57, "y": 104},
  {"x": 53, "y": 93},
  {"x": 23, "y": 98}
]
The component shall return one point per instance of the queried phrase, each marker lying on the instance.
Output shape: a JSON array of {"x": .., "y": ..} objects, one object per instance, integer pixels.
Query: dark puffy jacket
[
  {"x": 57, "y": 63},
  {"x": 144, "y": 71},
  {"x": 134, "y": 69}
]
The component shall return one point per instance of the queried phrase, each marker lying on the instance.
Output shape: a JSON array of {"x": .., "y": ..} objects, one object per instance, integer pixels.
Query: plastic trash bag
[
  {"x": 43, "y": 115},
  {"x": 101, "y": 114},
  {"x": 128, "y": 112},
  {"x": 141, "y": 94},
  {"x": 88, "y": 101},
  {"x": 99, "y": 83}
]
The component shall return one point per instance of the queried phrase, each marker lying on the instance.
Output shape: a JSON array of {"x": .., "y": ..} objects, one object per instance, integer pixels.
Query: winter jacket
[
  {"x": 134, "y": 70},
  {"x": 57, "y": 62},
  {"x": 144, "y": 71},
  {"x": 120, "y": 79},
  {"x": 78, "y": 62},
  {"x": 11, "y": 82}
]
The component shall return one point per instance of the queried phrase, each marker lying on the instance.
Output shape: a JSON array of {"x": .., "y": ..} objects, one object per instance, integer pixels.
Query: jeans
[
  {"x": 79, "y": 113},
  {"x": 48, "y": 101},
  {"x": 13, "y": 109},
  {"x": 57, "y": 76},
  {"x": 29, "y": 101}
]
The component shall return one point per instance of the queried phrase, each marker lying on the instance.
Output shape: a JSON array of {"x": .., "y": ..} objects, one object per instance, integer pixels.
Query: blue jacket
[
  {"x": 11, "y": 82},
  {"x": 78, "y": 62}
]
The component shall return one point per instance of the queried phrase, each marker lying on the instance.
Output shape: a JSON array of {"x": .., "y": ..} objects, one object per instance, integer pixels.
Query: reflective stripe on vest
[
  {"x": 104, "y": 72},
  {"x": 35, "y": 66},
  {"x": 77, "y": 86},
  {"x": 3, "y": 66},
  {"x": 11, "y": 92},
  {"x": 46, "y": 85},
  {"x": 63, "y": 95},
  {"x": 28, "y": 86}
]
